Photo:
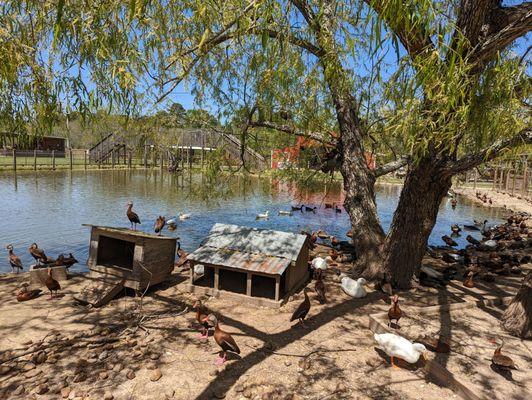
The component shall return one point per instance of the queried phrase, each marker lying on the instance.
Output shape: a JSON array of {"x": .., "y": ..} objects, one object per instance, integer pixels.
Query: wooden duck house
[
  {"x": 134, "y": 258},
  {"x": 258, "y": 266}
]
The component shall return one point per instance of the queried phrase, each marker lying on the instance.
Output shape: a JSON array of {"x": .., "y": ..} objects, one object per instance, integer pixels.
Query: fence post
[
  {"x": 14, "y": 159},
  {"x": 99, "y": 159},
  {"x": 85, "y": 160},
  {"x": 190, "y": 157},
  {"x": 495, "y": 173},
  {"x": 515, "y": 176},
  {"x": 53, "y": 160},
  {"x": 162, "y": 160},
  {"x": 129, "y": 159},
  {"x": 35, "y": 159},
  {"x": 524, "y": 185},
  {"x": 70, "y": 155}
]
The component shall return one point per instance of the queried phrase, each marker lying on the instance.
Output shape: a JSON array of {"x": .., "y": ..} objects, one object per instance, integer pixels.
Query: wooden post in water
[
  {"x": 85, "y": 160},
  {"x": 99, "y": 159},
  {"x": 515, "y": 176},
  {"x": 190, "y": 155},
  {"x": 129, "y": 159},
  {"x": 475, "y": 178},
  {"x": 162, "y": 160},
  {"x": 53, "y": 160},
  {"x": 14, "y": 159},
  {"x": 112, "y": 158},
  {"x": 70, "y": 155},
  {"x": 35, "y": 159},
  {"x": 182, "y": 158},
  {"x": 145, "y": 157}
]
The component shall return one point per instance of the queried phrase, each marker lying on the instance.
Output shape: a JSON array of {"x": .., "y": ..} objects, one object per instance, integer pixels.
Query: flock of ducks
[
  {"x": 40, "y": 257},
  {"x": 302, "y": 208},
  {"x": 160, "y": 222}
]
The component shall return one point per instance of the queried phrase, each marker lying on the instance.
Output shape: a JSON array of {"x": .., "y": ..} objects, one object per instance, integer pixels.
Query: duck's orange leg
[{"x": 393, "y": 364}]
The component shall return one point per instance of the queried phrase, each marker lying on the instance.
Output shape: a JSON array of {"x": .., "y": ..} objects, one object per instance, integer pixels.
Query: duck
[
  {"x": 14, "y": 260},
  {"x": 160, "y": 222},
  {"x": 468, "y": 283},
  {"x": 472, "y": 240},
  {"x": 319, "y": 287},
  {"x": 435, "y": 345},
  {"x": 448, "y": 241},
  {"x": 349, "y": 233},
  {"x": 183, "y": 216},
  {"x": 330, "y": 205},
  {"x": 302, "y": 310},
  {"x": 333, "y": 253},
  {"x": 295, "y": 208},
  {"x": 38, "y": 254},
  {"x": 52, "y": 284},
  {"x": 480, "y": 223},
  {"x": 502, "y": 361},
  {"x": 287, "y": 213},
  {"x": 65, "y": 261},
  {"x": 455, "y": 228},
  {"x": 311, "y": 209},
  {"x": 395, "y": 312},
  {"x": 320, "y": 263},
  {"x": 352, "y": 287},
  {"x": 201, "y": 317},
  {"x": 322, "y": 234},
  {"x": 132, "y": 216},
  {"x": 399, "y": 347},
  {"x": 25, "y": 295},
  {"x": 222, "y": 339},
  {"x": 337, "y": 210},
  {"x": 471, "y": 228},
  {"x": 264, "y": 215},
  {"x": 199, "y": 269},
  {"x": 454, "y": 202}
]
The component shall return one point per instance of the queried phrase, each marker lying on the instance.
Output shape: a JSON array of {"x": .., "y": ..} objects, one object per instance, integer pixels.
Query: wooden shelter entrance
[{"x": 262, "y": 266}]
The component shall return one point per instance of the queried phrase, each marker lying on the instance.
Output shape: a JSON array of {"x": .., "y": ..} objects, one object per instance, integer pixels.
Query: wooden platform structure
[
  {"x": 137, "y": 258},
  {"x": 258, "y": 266}
]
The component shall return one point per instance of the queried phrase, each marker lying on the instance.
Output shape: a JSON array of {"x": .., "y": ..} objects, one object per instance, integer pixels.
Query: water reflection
[{"x": 50, "y": 207}]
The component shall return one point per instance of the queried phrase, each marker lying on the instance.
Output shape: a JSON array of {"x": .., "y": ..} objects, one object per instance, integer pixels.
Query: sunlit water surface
[{"x": 49, "y": 208}]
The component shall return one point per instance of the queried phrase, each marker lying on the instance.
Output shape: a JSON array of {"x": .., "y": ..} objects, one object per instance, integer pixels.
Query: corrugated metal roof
[
  {"x": 236, "y": 259},
  {"x": 257, "y": 241}
]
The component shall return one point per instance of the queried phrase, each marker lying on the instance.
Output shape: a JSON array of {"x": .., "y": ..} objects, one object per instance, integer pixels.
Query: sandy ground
[
  {"x": 515, "y": 203},
  {"x": 333, "y": 357}
]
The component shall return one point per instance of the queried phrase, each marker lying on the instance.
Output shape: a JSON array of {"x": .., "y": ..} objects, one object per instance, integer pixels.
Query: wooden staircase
[{"x": 105, "y": 149}]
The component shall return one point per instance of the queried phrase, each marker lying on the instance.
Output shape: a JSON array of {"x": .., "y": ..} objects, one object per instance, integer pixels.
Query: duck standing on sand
[
  {"x": 202, "y": 319},
  {"x": 399, "y": 347},
  {"x": 14, "y": 260},
  {"x": 319, "y": 287},
  {"x": 160, "y": 222},
  {"x": 132, "y": 216},
  {"x": 222, "y": 339},
  {"x": 395, "y": 313},
  {"x": 302, "y": 310},
  {"x": 37, "y": 253},
  {"x": 52, "y": 284}
]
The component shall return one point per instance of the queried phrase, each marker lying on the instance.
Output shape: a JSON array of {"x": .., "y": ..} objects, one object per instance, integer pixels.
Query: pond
[{"x": 49, "y": 208}]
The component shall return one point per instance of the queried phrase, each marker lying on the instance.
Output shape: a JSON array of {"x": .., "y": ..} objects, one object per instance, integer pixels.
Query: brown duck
[
  {"x": 468, "y": 283},
  {"x": 132, "y": 216},
  {"x": 24, "y": 294},
  {"x": 319, "y": 287},
  {"x": 302, "y": 310},
  {"x": 223, "y": 339},
  {"x": 160, "y": 222},
  {"x": 52, "y": 284},
  {"x": 37, "y": 253},
  {"x": 502, "y": 361},
  {"x": 448, "y": 241},
  {"x": 202, "y": 319},
  {"x": 14, "y": 260},
  {"x": 394, "y": 313},
  {"x": 63, "y": 261}
]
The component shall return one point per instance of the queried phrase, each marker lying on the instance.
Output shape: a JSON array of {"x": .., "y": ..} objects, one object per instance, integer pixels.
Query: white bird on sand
[
  {"x": 265, "y": 215},
  {"x": 397, "y": 346},
  {"x": 352, "y": 287},
  {"x": 321, "y": 263},
  {"x": 183, "y": 216}
]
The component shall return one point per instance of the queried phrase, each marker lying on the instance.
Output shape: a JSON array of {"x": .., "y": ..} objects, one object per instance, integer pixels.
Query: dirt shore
[
  {"x": 498, "y": 199},
  {"x": 123, "y": 352}
]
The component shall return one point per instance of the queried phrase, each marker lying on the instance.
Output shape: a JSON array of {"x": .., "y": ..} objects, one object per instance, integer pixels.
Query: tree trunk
[
  {"x": 425, "y": 186},
  {"x": 517, "y": 319}
]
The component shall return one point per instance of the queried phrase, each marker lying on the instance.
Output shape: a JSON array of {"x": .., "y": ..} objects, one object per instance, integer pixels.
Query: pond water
[{"x": 49, "y": 208}]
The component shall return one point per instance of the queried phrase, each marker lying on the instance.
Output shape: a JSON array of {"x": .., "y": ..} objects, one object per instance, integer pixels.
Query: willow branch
[
  {"x": 288, "y": 129},
  {"x": 491, "y": 152},
  {"x": 391, "y": 166}
]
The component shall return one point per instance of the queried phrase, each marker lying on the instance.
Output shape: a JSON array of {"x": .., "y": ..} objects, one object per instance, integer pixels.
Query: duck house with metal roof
[
  {"x": 260, "y": 266},
  {"x": 133, "y": 259}
]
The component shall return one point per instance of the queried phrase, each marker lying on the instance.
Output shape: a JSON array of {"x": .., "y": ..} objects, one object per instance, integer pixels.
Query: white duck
[
  {"x": 183, "y": 216},
  {"x": 321, "y": 263},
  {"x": 264, "y": 215},
  {"x": 171, "y": 221},
  {"x": 352, "y": 287},
  {"x": 283, "y": 212},
  {"x": 397, "y": 346}
]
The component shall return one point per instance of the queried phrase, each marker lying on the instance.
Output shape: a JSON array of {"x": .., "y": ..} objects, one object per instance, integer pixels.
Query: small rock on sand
[
  {"x": 28, "y": 366},
  {"x": 103, "y": 355},
  {"x": 155, "y": 356},
  {"x": 41, "y": 389},
  {"x": 4, "y": 369},
  {"x": 19, "y": 390},
  {"x": 65, "y": 392},
  {"x": 130, "y": 374},
  {"x": 104, "y": 375},
  {"x": 108, "y": 396},
  {"x": 151, "y": 366},
  {"x": 156, "y": 375},
  {"x": 32, "y": 373},
  {"x": 117, "y": 367}
]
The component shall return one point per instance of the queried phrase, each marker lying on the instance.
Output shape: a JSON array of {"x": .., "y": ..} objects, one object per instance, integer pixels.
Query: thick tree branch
[
  {"x": 391, "y": 166},
  {"x": 491, "y": 152},
  {"x": 411, "y": 34}
]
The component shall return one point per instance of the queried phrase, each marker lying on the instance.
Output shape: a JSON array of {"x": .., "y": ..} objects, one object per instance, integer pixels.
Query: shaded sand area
[{"x": 149, "y": 349}]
